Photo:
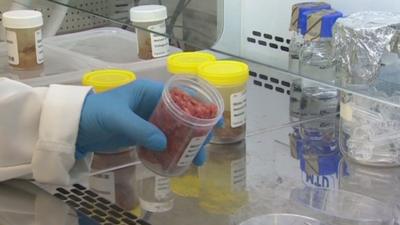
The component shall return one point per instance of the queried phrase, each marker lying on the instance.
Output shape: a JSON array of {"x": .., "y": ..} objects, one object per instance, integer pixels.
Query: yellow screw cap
[
  {"x": 105, "y": 80},
  {"x": 224, "y": 72},
  {"x": 188, "y": 62}
]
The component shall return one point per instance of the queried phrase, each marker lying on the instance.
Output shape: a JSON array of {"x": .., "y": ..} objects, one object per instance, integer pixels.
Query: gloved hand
[{"x": 118, "y": 119}]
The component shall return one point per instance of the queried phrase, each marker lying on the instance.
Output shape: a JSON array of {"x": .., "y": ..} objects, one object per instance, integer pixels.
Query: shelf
[
  {"x": 272, "y": 176},
  {"x": 387, "y": 85}
]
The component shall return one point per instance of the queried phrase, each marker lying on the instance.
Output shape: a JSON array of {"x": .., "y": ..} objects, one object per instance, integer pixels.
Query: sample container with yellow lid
[
  {"x": 230, "y": 78},
  {"x": 188, "y": 62},
  {"x": 116, "y": 185},
  {"x": 105, "y": 80},
  {"x": 188, "y": 184}
]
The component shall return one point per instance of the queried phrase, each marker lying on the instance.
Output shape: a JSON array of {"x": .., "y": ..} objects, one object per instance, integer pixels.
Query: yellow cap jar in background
[
  {"x": 230, "y": 78},
  {"x": 187, "y": 62},
  {"x": 105, "y": 80}
]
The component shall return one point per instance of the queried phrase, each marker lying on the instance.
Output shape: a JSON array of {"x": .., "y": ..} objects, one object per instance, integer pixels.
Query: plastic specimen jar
[
  {"x": 116, "y": 185},
  {"x": 223, "y": 179},
  {"x": 24, "y": 39},
  {"x": 188, "y": 110},
  {"x": 230, "y": 78},
  {"x": 152, "y": 18},
  {"x": 186, "y": 63}
]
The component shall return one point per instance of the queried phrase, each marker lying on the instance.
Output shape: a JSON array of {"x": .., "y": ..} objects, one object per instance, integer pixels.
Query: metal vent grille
[
  {"x": 269, "y": 41},
  {"x": 271, "y": 83}
]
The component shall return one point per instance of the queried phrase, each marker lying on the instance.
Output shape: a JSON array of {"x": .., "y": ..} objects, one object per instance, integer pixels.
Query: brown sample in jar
[
  {"x": 144, "y": 42},
  {"x": 227, "y": 133}
]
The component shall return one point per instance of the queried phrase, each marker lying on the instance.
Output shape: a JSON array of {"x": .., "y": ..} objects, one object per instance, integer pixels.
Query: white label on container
[
  {"x": 161, "y": 187},
  {"x": 238, "y": 175},
  {"x": 12, "y": 44},
  {"x": 39, "y": 47},
  {"x": 159, "y": 43},
  {"x": 191, "y": 151},
  {"x": 104, "y": 185},
  {"x": 321, "y": 181},
  {"x": 346, "y": 112},
  {"x": 238, "y": 109}
]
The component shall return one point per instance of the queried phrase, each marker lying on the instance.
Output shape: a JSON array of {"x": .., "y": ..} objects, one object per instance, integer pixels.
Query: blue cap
[
  {"x": 327, "y": 21},
  {"x": 303, "y": 22},
  {"x": 327, "y": 164}
]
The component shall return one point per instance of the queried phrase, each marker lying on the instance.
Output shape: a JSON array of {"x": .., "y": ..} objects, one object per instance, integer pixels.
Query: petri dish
[
  {"x": 341, "y": 207},
  {"x": 282, "y": 219}
]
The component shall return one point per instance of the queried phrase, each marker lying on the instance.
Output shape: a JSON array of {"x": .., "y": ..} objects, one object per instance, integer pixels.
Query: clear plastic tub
[
  {"x": 341, "y": 207},
  {"x": 369, "y": 131},
  {"x": 187, "y": 112},
  {"x": 115, "y": 46},
  {"x": 57, "y": 62},
  {"x": 281, "y": 219},
  {"x": 230, "y": 78}
]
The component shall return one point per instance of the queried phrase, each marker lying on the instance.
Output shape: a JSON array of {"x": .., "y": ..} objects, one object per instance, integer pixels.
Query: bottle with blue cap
[
  {"x": 297, "y": 39},
  {"x": 296, "y": 43},
  {"x": 316, "y": 59},
  {"x": 316, "y": 55}
]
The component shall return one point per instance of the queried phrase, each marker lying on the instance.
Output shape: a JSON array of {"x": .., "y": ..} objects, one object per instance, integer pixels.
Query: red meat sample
[{"x": 178, "y": 133}]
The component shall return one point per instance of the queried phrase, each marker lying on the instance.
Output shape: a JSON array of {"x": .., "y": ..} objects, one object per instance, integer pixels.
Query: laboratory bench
[{"x": 269, "y": 180}]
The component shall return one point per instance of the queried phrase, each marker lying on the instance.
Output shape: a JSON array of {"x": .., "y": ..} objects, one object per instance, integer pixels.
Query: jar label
[
  {"x": 39, "y": 47},
  {"x": 161, "y": 187},
  {"x": 104, "y": 185},
  {"x": 321, "y": 181},
  {"x": 238, "y": 109},
  {"x": 238, "y": 175},
  {"x": 159, "y": 43},
  {"x": 12, "y": 44},
  {"x": 346, "y": 112},
  {"x": 191, "y": 151}
]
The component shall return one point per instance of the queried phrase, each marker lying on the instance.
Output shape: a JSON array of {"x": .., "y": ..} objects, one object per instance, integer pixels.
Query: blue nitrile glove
[{"x": 118, "y": 119}]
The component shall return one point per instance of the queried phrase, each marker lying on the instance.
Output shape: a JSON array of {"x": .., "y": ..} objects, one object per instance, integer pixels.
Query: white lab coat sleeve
[{"x": 38, "y": 131}]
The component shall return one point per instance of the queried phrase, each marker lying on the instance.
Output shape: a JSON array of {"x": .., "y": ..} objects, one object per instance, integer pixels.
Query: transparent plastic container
[
  {"x": 230, "y": 78},
  {"x": 188, "y": 110},
  {"x": 150, "y": 17},
  {"x": 282, "y": 219},
  {"x": 369, "y": 131},
  {"x": 186, "y": 63},
  {"x": 340, "y": 207},
  {"x": 223, "y": 179},
  {"x": 154, "y": 191},
  {"x": 24, "y": 38}
]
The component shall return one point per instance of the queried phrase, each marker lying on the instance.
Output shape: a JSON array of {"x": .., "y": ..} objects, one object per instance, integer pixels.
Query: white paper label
[
  {"x": 346, "y": 112},
  {"x": 321, "y": 181},
  {"x": 238, "y": 109},
  {"x": 191, "y": 151},
  {"x": 39, "y": 47},
  {"x": 238, "y": 175},
  {"x": 159, "y": 44},
  {"x": 161, "y": 187},
  {"x": 12, "y": 44},
  {"x": 104, "y": 185}
]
